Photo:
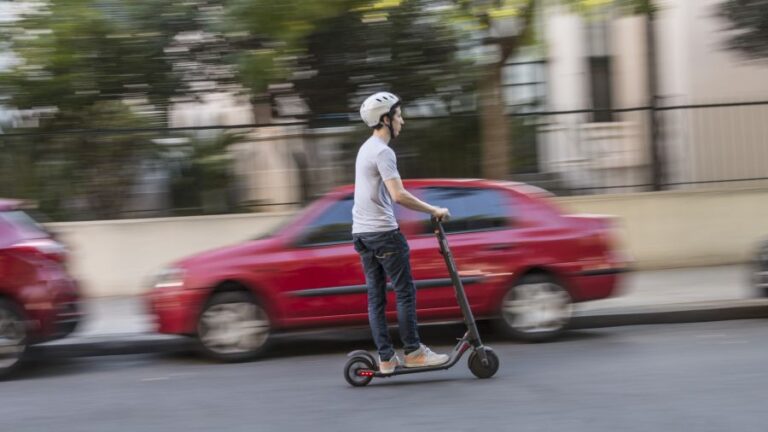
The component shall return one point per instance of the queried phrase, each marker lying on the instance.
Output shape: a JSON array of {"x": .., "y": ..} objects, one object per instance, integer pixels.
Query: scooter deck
[{"x": 402, "y": 370}]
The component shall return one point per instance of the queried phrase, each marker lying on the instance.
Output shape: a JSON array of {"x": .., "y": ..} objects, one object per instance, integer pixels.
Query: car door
[
  {"x": 483, "y": 242},
  {"x": 328, "y": 284}
]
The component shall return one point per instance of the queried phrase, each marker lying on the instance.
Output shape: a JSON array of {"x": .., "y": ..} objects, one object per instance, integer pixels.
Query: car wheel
[
  {"x": 535, "y": 309},
  {"x": 13, "y": 337},
  {"x": 233, "y": 326}
]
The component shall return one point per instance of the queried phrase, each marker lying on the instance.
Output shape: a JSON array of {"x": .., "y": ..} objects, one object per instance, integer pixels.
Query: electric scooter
[{"x": 361, "y": 368}]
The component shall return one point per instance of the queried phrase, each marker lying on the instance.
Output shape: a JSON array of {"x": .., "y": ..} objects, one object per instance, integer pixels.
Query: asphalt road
[{"x": 686, "y": 377}]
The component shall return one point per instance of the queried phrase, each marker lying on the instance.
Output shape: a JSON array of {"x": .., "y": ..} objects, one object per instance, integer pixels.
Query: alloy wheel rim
[
  {"x": 536, "y": 308},
  {"x": 12, "y": 336},
  {"x": 234, "y": 328}
]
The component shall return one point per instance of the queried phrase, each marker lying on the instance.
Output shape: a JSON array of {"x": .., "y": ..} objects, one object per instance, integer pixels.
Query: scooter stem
[{"x": 461, "y": 296}]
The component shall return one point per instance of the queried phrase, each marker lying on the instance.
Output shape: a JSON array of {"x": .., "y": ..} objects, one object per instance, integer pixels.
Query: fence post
[{"x": 657, "y": 162}]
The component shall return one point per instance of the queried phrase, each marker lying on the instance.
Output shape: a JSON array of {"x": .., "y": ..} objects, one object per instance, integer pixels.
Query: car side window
[
  {"x": 472, "y": 209},
  {"x": 23, "y": 223},
  {"x": 334, "y": 225}
]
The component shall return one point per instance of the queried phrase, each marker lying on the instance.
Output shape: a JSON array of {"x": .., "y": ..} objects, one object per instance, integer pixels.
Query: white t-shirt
[{"x": 373, "y": 210}]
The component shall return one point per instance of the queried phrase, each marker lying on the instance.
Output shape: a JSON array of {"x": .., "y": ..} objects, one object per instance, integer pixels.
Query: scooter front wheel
[
  {"x": 358, "y": 371},
  {"x": 479, "y": 369}
]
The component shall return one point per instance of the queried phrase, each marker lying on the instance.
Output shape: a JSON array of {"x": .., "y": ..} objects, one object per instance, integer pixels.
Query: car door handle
[{"x": 500, "y": 246}]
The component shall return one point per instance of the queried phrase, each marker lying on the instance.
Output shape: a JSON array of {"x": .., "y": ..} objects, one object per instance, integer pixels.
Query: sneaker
[
  {"x": 387, "y": 367},
  {"x": 424, "y": 357}
]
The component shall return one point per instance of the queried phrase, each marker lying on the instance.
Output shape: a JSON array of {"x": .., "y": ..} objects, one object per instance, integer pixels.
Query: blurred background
[
  {"x": 114, "y": 109},
  {"x": 645, "y": 118}
]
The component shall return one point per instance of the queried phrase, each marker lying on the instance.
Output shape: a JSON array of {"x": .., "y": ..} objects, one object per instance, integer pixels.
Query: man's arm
[{"x": 401, "y": 196}]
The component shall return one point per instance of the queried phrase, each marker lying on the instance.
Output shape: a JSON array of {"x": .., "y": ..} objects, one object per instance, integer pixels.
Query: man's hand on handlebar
[{"x": 441, "y": 214}]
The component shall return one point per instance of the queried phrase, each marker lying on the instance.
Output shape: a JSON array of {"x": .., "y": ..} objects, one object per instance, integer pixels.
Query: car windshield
[
  {"x": 289, "y": 219},
  {"x": 23, "y": 224},
  {"x": 277, "y": 228}
]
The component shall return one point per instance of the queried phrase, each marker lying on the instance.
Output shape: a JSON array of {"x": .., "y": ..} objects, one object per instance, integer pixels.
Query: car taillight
[{"x": 43, "y": 248}]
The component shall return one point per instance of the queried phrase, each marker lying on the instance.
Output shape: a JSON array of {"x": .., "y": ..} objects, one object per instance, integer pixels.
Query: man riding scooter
[{"x": 382, "y": 247}]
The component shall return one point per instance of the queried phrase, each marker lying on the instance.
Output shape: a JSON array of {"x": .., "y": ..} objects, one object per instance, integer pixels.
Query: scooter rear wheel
[
  {"x": 482, "y": 371},
  {"x": 351, "y": 371}
]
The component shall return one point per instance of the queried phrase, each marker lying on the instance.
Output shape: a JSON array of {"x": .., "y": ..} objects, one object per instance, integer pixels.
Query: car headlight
[{"x": 170, "y": 277}]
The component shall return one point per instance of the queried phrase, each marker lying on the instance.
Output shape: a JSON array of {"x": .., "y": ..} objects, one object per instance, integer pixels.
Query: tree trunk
[{"x": 494, "y": 128}]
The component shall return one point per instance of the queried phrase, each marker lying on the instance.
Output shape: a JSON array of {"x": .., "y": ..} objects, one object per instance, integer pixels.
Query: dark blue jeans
[{"x": 387, "y": 254}]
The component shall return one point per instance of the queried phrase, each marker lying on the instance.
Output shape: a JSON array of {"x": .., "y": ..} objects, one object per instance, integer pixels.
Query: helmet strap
[{"x": 389, "y": 126}]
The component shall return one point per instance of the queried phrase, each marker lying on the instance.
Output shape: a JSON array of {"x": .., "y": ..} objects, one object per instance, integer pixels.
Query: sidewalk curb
[
  {"x": 672, "y": 314},
  {"x": 149, "y": 343},
  {"x": 116, "y": 344}
]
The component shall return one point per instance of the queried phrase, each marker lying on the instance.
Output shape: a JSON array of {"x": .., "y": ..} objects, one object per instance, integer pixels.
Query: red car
[
  {"x": 39, "y": 301},
  {"x": 522, "y": 261}
]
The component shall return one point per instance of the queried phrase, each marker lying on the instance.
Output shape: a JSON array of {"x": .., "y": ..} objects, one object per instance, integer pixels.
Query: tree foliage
[
  {"x": 407, "y": 50},
  {"x": 748, "y": 23},
  {"x": 96, "y": 65},
  {"x": 100, "y": 64}
]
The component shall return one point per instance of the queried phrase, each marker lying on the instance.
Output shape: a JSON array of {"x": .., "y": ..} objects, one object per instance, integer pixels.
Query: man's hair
[{"x": 389, "y": 114}]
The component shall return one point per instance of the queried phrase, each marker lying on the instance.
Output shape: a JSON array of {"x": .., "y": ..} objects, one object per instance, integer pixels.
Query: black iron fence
[
  {"x": 159, "y": 172},
  {"x": 703, "y": 145},
  {"x": 154, "y": 172}
]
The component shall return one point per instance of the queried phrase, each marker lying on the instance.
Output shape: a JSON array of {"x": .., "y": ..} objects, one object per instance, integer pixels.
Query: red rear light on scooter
[{"x": 42, "y": 248}]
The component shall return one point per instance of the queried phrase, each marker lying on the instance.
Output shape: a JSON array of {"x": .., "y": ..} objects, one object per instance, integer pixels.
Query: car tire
[
  {"x": 233, "y": 327},
  {"x": 13, "y": 337},
  {"x": 535, "y": 309}
]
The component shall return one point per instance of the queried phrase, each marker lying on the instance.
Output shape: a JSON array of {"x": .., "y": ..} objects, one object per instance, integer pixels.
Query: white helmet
[{"x": 376, "y": 106}]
